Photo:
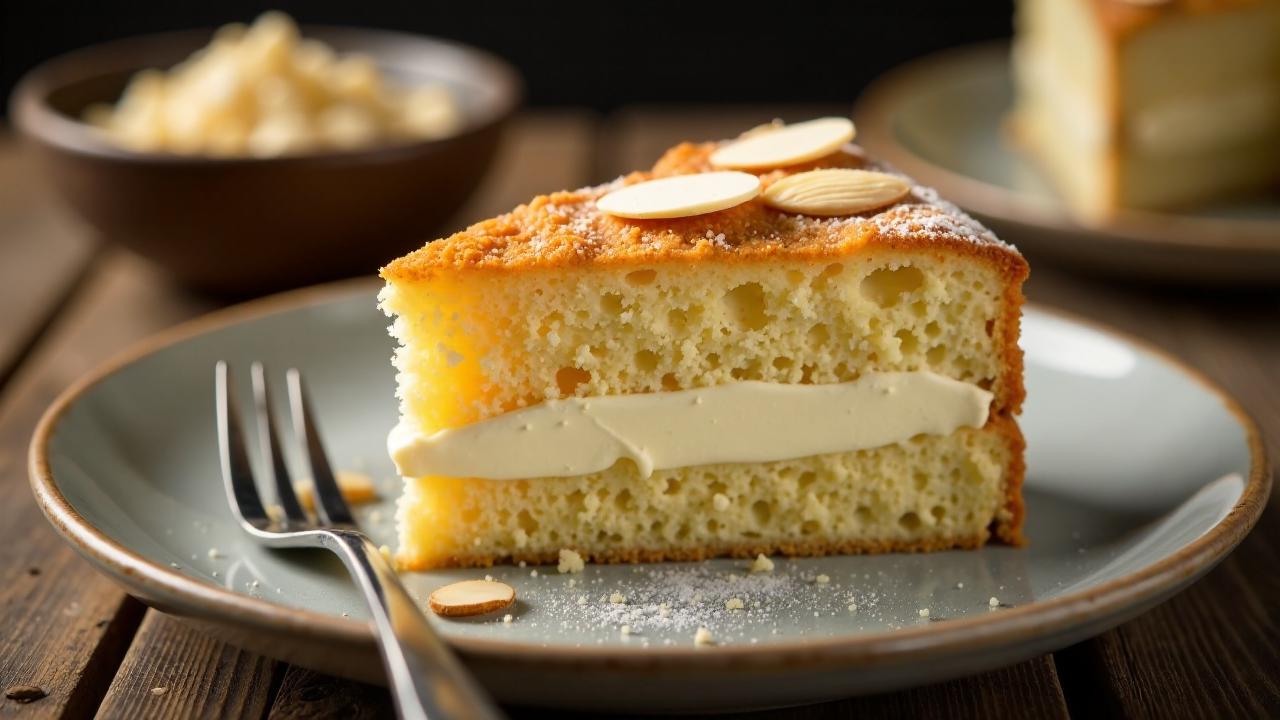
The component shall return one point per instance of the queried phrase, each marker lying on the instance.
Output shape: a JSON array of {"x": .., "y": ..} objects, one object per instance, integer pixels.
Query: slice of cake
[
  {"x": 771, "y": 345},
  {"x": 1146, "y": 104}
]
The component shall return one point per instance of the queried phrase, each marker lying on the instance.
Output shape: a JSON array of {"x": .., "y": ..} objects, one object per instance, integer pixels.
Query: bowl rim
[
  {"x": 190, "y": 597},
  {"x": 876, "y": 110},
  {"x": 34, "y": 117}
]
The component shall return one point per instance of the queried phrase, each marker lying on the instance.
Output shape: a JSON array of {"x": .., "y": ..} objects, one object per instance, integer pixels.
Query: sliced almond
[
  {"x": 356, "y": 488},
  {"x": 835, "y": 192},
  {"x": 681, "y": 196},
  {"x": 471, "y": 597},
  {"x": 787, "y": 145}
]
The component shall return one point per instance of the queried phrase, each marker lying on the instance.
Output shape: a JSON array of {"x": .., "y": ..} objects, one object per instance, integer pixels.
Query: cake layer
[
  {"x": 480, "y": 344},
  {"x": 929, "y": 493}
]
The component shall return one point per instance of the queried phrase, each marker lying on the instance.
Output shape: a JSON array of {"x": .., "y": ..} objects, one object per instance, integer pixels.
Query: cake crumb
[
  {"x": 488, "y": 578},
  {"x": 533, "y": 573},
  {"x": 522, "y": 563},
  {"x": 617, "y": 599},
  {"x": 625, "y": 630},
  {"x": 703, "y": 637},
  {"x": 733, "y": 604},
  {"x": 582, "y": 599},
  {"x": 762, "y": 564},
  {"x": 570, "y": 561},
  {"x": 853, "y": 607},
  {"x": 506, "y": 619},
  {"x": 215, "y": 554},
  {"x": 993, "y": 602},
  {"x": 158, "y": 691},
  {"x": 924, "y": 612},
  {"x": 959, "y": 586},
  {"x": 822, "y": 579}
]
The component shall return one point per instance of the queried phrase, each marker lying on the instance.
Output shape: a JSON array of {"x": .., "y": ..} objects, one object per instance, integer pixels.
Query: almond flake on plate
[{"x": 471, "y": 597}]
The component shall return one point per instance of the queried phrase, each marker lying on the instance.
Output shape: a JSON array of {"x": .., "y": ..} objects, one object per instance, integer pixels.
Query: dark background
[{"x": 600, "y": 54}]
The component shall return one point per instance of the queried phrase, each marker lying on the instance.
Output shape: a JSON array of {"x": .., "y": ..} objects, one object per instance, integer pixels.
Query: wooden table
[{"x": 68, "y": 304}]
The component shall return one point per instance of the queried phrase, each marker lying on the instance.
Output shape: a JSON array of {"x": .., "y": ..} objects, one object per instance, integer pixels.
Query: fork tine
[
  {"x": 270, "y": 443},
  {"x": 237, "y": 473},
  {"x": 329, "y": 503}
]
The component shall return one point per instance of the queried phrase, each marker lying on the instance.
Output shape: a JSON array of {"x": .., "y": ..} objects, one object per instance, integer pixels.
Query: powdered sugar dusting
[{"x": 665, "y": 604}]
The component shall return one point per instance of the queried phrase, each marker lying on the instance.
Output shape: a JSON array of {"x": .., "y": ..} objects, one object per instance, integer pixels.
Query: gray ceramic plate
[
  {"x": 941, "y": 119},
  {"x": 1142, "y": 476}
]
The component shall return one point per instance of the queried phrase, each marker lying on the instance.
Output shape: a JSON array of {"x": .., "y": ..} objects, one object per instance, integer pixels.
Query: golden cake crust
[{"x": 564, "y": 229}]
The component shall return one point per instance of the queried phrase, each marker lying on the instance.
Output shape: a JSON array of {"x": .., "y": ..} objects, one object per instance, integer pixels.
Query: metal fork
[{"x": 427, "y": 681}]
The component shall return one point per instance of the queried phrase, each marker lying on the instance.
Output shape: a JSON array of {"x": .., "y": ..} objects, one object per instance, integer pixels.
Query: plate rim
[
  {"x": 874, "y": 112},
  {"x": 195, "y": 598}
]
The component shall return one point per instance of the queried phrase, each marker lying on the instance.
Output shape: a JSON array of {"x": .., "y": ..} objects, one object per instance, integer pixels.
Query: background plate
[
  {"x": 942, "y": 119},
  {"x": 1141, "y": 477}
]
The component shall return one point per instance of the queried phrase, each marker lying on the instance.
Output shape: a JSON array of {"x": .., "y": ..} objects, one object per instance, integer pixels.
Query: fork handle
[{"x": 426, "y": 679}]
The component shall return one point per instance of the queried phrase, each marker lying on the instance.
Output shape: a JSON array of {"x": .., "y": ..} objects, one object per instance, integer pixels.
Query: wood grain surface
[
  {"x": 1212, "y": 651},
  {"x": 172, "y": 670}
]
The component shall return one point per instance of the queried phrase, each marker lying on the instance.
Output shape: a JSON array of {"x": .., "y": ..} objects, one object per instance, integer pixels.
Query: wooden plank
[
  {"x": 172, "y": 670},
  {"x": 308, "y": 695},
  {"x": 1212, "y": 650},
  {"x": 71, "y": 623},
  {"x": 1026, "y": 691},
  {"x": 43, "y": 252}
]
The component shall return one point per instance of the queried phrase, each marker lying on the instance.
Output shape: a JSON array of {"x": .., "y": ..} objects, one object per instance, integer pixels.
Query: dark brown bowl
[{"x": 237, "y": 226}]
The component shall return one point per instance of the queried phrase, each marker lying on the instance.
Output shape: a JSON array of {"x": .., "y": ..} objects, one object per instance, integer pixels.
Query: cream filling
[{"x": 741, "y": 422}]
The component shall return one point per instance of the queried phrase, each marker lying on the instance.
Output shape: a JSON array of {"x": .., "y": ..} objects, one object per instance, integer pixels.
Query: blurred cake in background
[{"x": 1149, "y": 105}]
